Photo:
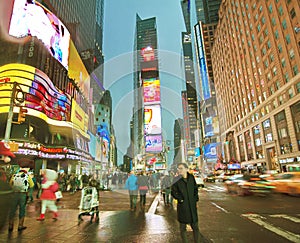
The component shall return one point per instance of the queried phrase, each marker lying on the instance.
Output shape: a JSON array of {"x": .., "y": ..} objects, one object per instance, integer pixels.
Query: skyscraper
[
  {"x": 255, "y": 59},
  {"x": 147, "y": 133}
]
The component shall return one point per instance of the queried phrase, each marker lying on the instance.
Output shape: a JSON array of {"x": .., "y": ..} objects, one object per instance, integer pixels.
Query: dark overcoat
[{"x": 186, "y": 193}]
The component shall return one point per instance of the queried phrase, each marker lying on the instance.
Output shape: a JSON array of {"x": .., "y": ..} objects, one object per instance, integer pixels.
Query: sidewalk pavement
[{"x": 117, "y": 222}]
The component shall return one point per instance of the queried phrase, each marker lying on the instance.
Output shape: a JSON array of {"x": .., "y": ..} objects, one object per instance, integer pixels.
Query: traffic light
[{"x": 22, "y": 115}]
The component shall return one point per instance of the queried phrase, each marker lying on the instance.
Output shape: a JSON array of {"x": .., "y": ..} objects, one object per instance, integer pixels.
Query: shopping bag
[{"x": 58, "y": 195}]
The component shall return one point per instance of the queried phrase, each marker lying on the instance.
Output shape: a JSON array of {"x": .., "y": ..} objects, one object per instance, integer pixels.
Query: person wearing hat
[
  {"x": 19, "y": 198},
  {"x": 6, "y": 192},
  {"x": 5, "y": 152}
]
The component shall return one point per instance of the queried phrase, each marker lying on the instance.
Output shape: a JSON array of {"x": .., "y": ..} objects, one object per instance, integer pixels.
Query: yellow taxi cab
[{"x": 287, "y": 182}]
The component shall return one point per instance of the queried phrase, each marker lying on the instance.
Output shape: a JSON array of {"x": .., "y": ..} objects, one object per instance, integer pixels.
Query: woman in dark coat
[{"x": 185, "y": 191}]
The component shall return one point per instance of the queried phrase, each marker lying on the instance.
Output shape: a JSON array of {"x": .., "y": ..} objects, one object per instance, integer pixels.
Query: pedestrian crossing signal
[{"x": 22, "y": 115}]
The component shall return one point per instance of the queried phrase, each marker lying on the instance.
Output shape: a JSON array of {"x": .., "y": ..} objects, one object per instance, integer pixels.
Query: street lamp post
[
  {"x": 10, "y": 113},
  {"x": 15, "y": 96}
]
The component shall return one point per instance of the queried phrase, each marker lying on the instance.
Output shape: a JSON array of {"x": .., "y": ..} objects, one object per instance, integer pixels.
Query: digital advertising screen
[
  {"x": 153, "y": 143},
  {"x": 30, "y": 18},
  {"x": 152, "y": 119},
  {"x": 151, "y": 91},
  {"x": 211, "y": 150},
  {"x": 148, "y": 54}
]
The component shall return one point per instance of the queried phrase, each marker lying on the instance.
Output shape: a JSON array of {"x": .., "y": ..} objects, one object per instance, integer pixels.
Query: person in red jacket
[{"x": 48, "y": 198}]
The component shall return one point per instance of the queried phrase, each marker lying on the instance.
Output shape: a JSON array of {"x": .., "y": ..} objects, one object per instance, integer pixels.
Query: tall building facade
[
  {"x": 204, "y": 28},
  {"x": 39, "y": 61},
  {"x": 255, "y": 60},
  {"x": 191, "y": 124},
  {"x": 84, "y": 20},
  {"x": 147, "y": 138}
]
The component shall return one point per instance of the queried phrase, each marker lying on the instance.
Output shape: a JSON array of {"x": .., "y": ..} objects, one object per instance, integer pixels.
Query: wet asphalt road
[
  {"x": 230, "y": 218},
  {"x": 223, "y": 217}
]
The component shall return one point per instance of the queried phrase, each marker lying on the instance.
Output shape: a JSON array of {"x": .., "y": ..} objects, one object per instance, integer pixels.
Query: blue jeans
[{"x": 133, "y": 198}]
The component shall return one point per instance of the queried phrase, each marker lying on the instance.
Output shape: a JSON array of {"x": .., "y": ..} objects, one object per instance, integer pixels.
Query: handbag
[
  {"x": 58, "y": 195},
  {"x": 143, "y": 188}
]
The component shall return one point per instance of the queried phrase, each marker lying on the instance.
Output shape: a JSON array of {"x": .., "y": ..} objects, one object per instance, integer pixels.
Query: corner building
[{"x": 256, "y": 66}]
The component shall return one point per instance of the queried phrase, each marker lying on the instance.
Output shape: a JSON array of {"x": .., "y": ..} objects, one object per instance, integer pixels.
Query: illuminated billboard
[
  {"x": 148, "y": 54},
  {"x": 151, "y": 91},
  {"x": 153, "y": 143},
  {"x": 152, "y": 119},
  {"x": 40, "y": 92},
  {"x": 30, "y": 18},
  {"x": 78, "y": 72}
]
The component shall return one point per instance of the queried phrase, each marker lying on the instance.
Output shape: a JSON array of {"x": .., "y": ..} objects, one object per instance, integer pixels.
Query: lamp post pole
[{"x": 10, "y": 113}]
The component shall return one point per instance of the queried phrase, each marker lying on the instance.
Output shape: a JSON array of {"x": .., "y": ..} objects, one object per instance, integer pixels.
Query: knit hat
[{"x": 5, "y": 149}]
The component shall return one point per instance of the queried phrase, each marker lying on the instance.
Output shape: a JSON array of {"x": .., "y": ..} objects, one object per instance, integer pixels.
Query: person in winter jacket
[
  {"x": 143, "y": 185},
  {"x": 132, "y": 186},
  {"x": 48, "y": 198},
  {"x": 185, "y": 191}
]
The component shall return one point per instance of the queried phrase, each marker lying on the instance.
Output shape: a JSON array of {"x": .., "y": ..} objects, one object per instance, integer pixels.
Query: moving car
[
  {"x": 288, "y": 182},
  {"x": 254, "y": 184},
  {"x": 248, "y": 184},
  {"x": 210, "y": 178}
]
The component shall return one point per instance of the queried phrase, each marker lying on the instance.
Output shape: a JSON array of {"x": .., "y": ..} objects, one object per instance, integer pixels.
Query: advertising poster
[
  {"x": 210, "y": 151},
  {"x": 151, "y": 91},
  {"x": 152, "y": 122},
  {"x": 153, "y": 143},
  {"x": 30, "y": 18}
]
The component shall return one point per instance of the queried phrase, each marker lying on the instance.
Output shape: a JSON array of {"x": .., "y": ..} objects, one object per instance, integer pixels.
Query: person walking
[
  {"x": 185, "y": 191},
  {"x": 132, "y": 186},
  {"x": 49, "y": 187},
  {"x": 143, "y": 188},
  {"x": 20, "y": 183},
  {"x": 166, "y": 184}
]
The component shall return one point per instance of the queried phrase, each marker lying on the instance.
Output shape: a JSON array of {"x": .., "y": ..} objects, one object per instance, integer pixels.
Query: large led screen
[
  {"x": 30, "y": 18},
  {"x": 152, "y": 119},
  {"x": 153, "y": 143},
  {"x": 151, "y": 91},
  {"x": 39, "y": 92}
]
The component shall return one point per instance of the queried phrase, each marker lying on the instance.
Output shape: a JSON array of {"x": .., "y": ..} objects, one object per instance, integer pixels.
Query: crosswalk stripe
[
  {"x": 294, "y": 219},
  {"x": 284, "y": 233}
]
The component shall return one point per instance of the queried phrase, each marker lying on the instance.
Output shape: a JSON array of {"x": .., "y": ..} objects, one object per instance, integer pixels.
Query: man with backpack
[{"x": 20, "y": 183}]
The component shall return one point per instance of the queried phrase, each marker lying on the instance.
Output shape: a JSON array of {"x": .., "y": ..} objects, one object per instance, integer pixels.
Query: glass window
[
  {"x": 274, "y": 71},
  {"x": 286, "y": 77},
  {"x": 284, "y": 26},
  {"x": 292, "y": 13},
  {"x": 273, "y": 21},
  {"x": 292, "y": 54},
  {"x": 271, "y": 57},
  {"x": 280, "y": 10},
  {"x": 268, "y": 137},
  {"x": 291, "y": 93},
  {"x": 276, "y": 34},
  {"x": 279, "y": 48},
  {"x": 298, "y": 87},
  {"x": 288, "y": 39},
  {"x": 295, "y": 70},
  {"x": 270, "y": 8},
  {"x": 258, "y": 28},
  {"x": 263, "y": 20},
  {"x": 283, "y": 64}
]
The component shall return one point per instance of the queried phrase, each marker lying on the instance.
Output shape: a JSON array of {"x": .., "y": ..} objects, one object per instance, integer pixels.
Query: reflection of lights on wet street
[{"x": 156, "y": 224}]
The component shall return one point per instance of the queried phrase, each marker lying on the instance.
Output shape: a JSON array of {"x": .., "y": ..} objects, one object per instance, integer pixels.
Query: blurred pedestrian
[
  {"x": 166, "y": 184},
  {"x": 31, "y": 189},
  {"x": 20, "y": 182},
  {"x": 185, "y": 191},
  {"x": 143, "y": 185},
  {"x": 132, "y": 186},
  {"x": 48, "y": 198}
]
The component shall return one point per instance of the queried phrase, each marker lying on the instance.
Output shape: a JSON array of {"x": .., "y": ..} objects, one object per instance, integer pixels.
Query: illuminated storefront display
[
  {"x": 33, "y": 19},
  {"x": 38, "y": 150}
]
